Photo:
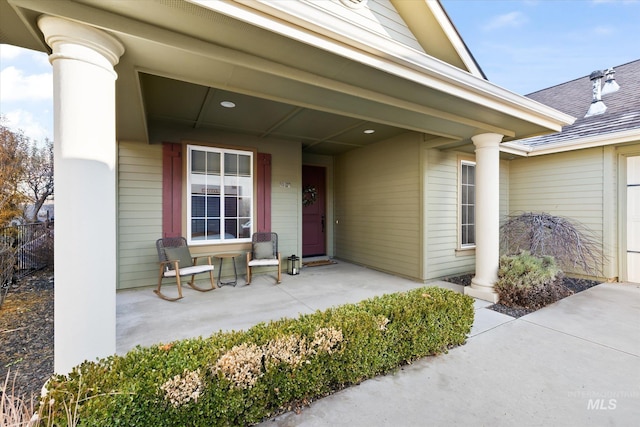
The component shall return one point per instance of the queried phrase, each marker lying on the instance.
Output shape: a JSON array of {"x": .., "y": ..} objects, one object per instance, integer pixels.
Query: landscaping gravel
[
  {"x": 575, "y": 285},
  {"x": 26, "y": 334}
]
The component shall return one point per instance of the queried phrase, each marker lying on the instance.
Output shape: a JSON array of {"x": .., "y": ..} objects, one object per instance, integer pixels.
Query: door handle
[{"x": 322, "y": 222}]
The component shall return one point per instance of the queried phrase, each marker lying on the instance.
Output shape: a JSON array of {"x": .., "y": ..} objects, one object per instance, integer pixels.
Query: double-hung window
[
  {"x": 467, "y": 204},
  {"x": 220, "y": 195}
]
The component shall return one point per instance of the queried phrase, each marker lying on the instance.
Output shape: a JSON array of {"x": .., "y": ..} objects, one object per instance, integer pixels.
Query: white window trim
[
  {"x": 463, "y": 248},
  {"x": 222, "y": 151}
]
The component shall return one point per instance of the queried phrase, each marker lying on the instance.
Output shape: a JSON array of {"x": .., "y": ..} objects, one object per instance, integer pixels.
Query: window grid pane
[
  {"x": 467, "y": 204},
  {"x": 221, "y": 190}
]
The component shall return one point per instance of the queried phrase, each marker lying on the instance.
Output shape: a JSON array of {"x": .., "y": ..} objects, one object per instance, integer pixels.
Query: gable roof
[{"x": 574, "y": 98}]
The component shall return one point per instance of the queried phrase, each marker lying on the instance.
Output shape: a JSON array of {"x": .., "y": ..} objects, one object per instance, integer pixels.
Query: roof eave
[
  {"x": 400, "y": 60},
  {"x": 602, "y": 140}
]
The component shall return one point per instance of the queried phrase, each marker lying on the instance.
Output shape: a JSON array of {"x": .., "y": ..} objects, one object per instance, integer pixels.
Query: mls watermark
[
  {"x": 602, "y": 404},
  {"x": 604, "y": 401}
]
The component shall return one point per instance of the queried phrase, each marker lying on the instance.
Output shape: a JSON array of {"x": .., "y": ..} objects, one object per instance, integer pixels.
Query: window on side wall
[
  {"x": 220, "y": 195},
  {"x": 467, "y": 205}
]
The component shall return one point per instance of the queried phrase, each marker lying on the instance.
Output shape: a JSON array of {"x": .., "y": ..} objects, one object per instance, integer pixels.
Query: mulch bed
[
  {"x": 26, "y": 334},
  {"x": 573, "y": 284}
]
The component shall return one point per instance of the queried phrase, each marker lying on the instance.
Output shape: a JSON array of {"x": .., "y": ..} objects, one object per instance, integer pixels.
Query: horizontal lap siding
[
  {"x": 566, "y": 184},
  {"x": 570, "y": 185},
  {"x": 441, "y": 208},
  {"x": 378, "y": 16},
  {"x": 442, "y": 217},
  {"x": 139, "y": 213},
  {"x": 286, "y": 196},
  {"x": 378, "y": 206}
]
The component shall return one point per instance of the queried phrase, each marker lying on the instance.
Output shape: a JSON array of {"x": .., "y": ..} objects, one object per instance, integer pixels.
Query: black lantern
[{"x": 293, "y": 266}]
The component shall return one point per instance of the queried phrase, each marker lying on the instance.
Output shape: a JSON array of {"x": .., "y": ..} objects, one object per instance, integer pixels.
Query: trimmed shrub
[
  {"x": 528, "y": 281},
  {"x": 242, "y": 378}
]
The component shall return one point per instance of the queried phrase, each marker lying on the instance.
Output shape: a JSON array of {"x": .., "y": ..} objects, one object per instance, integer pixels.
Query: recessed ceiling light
[
  {"x": 228, "y": 104},
  {"x": 369, "y": 131}
]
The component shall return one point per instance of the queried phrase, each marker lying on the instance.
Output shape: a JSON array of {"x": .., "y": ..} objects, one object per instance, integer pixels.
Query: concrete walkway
[{"x": 574, "y": 363}]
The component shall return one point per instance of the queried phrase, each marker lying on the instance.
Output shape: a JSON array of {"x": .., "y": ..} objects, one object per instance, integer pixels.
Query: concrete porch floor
[
  {"x": 144, "y": 319},
  {"x": 575, "y": 362}
]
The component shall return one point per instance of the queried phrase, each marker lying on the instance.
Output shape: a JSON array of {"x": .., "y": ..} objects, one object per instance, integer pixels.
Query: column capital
[
  {"x": 72, "y": 40},
  {"x": 487, "y": 140}
]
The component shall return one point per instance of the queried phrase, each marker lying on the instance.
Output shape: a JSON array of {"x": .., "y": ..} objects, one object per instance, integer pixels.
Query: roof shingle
[{"x": 574, "y": 98}]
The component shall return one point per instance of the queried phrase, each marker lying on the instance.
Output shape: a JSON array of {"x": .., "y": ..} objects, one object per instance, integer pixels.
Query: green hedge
[{"x": 241, "y": 378}]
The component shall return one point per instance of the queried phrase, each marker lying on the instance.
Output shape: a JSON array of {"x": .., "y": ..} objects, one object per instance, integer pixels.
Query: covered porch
[
  {"x": 376, "y": 102},
  {"x": 144, "y": 319}
]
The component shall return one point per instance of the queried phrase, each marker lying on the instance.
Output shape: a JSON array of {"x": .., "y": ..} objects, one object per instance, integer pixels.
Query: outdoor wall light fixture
[
  {"x": 293, "y": 266},
  {"x": 228, "y": 104}
]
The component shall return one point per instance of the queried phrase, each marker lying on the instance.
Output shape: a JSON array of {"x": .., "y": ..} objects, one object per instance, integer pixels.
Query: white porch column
[
  {"x": 85, "y": 190},
  {"x": 487, "y": 216}
]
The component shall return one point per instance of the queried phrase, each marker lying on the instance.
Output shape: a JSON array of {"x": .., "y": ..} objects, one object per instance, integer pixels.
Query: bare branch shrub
[{"x": 574, "y": 247}]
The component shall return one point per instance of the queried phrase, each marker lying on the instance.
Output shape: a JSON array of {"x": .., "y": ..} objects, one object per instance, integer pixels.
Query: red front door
[{"x": 313, "y": 211}]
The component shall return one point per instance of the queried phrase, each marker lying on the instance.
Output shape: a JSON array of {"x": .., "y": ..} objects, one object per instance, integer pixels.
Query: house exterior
[
  {"x": 360, "y": 129},
  {"x": 590, "y": 171}
]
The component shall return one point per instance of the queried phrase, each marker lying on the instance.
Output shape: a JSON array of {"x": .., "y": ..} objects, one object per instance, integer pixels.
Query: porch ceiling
[
  {"x": 178, "y": 104},
  {"x": 181, "y": 60}
]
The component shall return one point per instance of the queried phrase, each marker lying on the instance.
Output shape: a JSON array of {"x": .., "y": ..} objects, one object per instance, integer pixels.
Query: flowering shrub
[{"x": 244, "y": 377}]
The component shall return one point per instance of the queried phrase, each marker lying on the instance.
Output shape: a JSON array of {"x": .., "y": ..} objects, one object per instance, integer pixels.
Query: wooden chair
[
  {"x": 264, "y": 253},
  {"x": 176, "y": 261}
]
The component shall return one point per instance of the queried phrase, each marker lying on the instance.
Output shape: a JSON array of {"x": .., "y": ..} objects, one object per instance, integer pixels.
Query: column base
[{"x": 483, "y": 293}]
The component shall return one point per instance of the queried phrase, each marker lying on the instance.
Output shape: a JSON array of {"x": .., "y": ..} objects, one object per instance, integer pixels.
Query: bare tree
[
  {"x": 13, "y": 152},
  {"x": 572, "y": 244},
  {"x": 38, "y": 183}
]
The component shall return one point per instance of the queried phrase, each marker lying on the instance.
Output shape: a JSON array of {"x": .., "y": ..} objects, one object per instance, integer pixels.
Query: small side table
[{"x": 222, "y": 257}]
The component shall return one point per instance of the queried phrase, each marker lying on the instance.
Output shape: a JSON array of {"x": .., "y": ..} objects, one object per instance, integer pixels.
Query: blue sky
[
  {"x": 528, "y": 45},
  {"x": 26, "y": 92},
  {"x": 521, "y": 45}
]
